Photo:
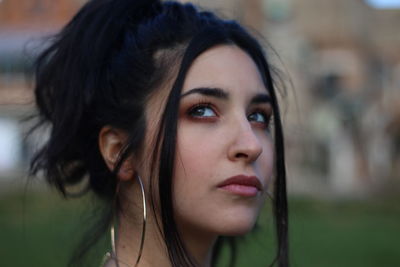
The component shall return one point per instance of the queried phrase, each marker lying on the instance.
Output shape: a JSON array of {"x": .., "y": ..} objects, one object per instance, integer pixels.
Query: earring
[
  {"x": 144, "y": 220},
  {"x": 113, "y": 254}
]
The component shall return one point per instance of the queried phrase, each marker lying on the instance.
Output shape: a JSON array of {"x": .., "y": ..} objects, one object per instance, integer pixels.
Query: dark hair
[{"x": 100, "y": 70}]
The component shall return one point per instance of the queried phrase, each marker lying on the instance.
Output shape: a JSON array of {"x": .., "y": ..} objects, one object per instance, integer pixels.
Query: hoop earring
[
  {"x": 112, "y": 230},
  {"x": 144, "y": 220}
]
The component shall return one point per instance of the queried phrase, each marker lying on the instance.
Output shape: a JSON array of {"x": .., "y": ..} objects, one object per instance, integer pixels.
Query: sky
[{"x": 384, "y": 4}]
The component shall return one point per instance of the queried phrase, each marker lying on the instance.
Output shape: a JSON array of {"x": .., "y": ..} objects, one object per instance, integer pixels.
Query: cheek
[
  {"x": 197, "y": 152},
  {"x": 198, "y": 164},
  {"x": 197, "y": 144},
  {"x": 264, "y": 166}
]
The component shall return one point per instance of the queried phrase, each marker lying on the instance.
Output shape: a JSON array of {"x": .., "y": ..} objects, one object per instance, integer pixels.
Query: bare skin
[{"x": 222, "y": 133}]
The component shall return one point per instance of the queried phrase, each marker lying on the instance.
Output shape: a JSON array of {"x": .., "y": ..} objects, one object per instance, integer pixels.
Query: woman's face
[{"x": 224, "y": 157}]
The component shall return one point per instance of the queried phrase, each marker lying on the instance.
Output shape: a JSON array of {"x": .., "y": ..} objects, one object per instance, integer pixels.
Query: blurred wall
[
  {"x": 23, "y": 23},
  {"x": 343, "y": 58},
  {"x": 342, "y": 111}
]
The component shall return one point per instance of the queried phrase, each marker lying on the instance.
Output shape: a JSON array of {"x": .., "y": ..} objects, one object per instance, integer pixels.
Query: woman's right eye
[{"x": 202, "y": 111}]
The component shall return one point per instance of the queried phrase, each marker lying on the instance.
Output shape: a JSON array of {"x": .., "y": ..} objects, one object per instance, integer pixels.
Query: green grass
[
  {"x": 41, "y": 229},
  {"x": 362, "y": 233}
]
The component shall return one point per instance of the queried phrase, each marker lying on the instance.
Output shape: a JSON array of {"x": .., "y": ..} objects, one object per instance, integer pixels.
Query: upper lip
[{"x": 243, "y": 180}]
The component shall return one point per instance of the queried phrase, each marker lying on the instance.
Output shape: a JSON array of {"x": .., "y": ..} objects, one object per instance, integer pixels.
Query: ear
[{"x": 111, "y": 143}]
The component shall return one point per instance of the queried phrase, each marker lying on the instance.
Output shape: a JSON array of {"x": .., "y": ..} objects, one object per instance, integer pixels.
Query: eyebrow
[
  {"x": 215, "y": 92},
  {"x": 260, "y": 98},
  {"x": 221, "y": 94}
]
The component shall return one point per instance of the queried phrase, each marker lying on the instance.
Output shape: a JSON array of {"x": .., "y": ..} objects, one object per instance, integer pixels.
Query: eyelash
[
  {"x": 266, "y": 115},
  {"x": 201, "y": 105}
]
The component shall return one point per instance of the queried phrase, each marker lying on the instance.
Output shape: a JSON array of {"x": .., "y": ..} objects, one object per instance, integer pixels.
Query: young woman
[{"x": 165, "y": 111}]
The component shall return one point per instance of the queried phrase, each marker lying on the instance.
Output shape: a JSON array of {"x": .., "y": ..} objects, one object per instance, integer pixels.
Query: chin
[{"x": 238, "y": 226}]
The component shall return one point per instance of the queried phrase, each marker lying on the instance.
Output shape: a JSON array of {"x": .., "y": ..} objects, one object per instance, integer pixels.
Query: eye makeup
[
  {"x": 260, "y": 115},
  {"x": 201, "y": 110},
  {"x": 203, "y": 105}
]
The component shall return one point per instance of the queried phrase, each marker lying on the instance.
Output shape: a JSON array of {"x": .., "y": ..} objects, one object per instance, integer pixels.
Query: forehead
[{"x": 227, "y": 67}]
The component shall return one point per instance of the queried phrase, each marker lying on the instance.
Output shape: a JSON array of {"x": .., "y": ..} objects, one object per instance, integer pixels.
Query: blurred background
[{"x": 340, "y": 60}]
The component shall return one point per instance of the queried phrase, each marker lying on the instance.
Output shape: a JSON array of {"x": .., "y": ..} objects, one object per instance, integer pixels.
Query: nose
[{"x": 245, "y": 145}]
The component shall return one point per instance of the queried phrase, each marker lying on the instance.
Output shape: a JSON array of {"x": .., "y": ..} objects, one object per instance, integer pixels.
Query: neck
[
  {"x": 155, "y": 252},
  {"x": 200, "y": 245},
  {"x": 128, "y": 244}
]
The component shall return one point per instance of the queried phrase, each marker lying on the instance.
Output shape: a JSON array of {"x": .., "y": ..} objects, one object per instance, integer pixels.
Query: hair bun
[
  {"x": 134, "y": 10},
  {"x": 66, "y": 95}
]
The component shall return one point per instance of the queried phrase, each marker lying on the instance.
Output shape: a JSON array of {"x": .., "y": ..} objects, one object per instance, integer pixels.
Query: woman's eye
[
  {"x": 258, "y": 117},
  {"x": 202, "y": 111}
]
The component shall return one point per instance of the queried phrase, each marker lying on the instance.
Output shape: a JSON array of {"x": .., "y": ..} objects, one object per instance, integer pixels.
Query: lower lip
[{"x": 242, "y": 190}]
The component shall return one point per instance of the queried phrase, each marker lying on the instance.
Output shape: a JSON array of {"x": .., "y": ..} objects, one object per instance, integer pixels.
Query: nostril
[{"x": 241, "y": 155}]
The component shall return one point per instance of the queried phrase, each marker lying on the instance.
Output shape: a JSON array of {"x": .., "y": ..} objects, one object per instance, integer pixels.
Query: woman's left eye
[{"x": 258, "y": 117}]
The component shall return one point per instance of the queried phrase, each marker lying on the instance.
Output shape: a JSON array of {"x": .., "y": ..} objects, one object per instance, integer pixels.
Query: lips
[{"x": 242, "y": 185}]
